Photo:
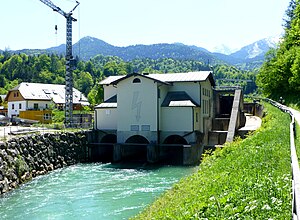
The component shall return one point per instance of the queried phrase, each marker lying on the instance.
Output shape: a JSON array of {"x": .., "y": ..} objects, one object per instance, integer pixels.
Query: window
[
  {"x": 47, "y": 116},
  {"x": 36, "y": 106},
  {"x": 20, "y": 106},
  {"x": 136, "y": 80},
  {"x": 134, "y": 128},
  {"x": 145, "y": 127},
  {"x": 13, "y": 106},
  {"x": 46, "y": 106},
  {"x": 205, "y": 107},
  {"x": 197, "y": 120}
]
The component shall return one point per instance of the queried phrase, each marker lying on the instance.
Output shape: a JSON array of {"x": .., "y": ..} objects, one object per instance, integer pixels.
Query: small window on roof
[
  {"x": 46, "y": 91},
  {"x": 136, "y": 80}
]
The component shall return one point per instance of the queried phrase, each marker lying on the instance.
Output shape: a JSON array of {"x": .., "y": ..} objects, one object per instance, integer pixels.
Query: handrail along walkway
[{"x": 294, "y": 161}]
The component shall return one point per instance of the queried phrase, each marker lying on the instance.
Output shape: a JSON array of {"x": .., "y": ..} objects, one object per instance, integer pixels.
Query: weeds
[{"x": 247, "y": 179}]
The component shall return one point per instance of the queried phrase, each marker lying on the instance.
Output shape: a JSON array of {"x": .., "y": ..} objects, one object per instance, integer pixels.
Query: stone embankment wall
[{"x": 24, "y": 158}]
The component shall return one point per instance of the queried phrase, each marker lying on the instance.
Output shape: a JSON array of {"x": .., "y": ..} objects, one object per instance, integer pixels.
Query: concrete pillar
[
  {"x": 152, "y": 153},
  {"x": 117, "y": 153},
  {"x": 190, "y": 154},
  {"x": 90, "y": 136}
]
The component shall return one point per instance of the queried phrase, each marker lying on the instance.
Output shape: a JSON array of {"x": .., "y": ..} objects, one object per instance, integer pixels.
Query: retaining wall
[{"x": 26, "y": 157}]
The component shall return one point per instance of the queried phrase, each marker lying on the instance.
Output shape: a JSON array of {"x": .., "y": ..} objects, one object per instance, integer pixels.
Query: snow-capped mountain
[
  {"x": 256, "y": 49},
  {"x": 223, "y": 49}
]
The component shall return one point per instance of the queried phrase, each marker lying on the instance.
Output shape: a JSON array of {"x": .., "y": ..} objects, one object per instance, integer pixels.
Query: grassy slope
[{"x": 248, "y": 179}]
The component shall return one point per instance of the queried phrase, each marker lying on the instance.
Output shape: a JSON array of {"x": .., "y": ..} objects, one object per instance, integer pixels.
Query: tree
[
  {"x": 289, "y": 14},
  {"x": 85, "y": 82},
  {"x": 280, "y": 75},
  {"x": 96, "y": 95},
  {"x": 45, "y": 77}
]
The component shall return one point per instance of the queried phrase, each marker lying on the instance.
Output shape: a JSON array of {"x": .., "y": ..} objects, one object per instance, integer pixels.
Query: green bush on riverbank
[{"x": 248, "y": 179}]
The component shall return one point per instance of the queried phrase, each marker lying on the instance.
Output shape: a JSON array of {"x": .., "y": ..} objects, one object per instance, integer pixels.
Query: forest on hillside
[
  {"x": 44, "y": 68},
  {"x": 279, "y": 76}
]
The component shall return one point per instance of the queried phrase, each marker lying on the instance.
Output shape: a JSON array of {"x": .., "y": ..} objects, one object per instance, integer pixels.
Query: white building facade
[{"x": 157, "y": 108}]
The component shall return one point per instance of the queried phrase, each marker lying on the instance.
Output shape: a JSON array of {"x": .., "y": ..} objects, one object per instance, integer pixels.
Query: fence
[{"x": 294, "y": 161}]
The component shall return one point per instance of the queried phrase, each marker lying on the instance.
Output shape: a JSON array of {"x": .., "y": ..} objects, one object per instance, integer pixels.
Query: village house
[
  {"x": 34, "y": 101},
  {"x": 156, "y": 110}
]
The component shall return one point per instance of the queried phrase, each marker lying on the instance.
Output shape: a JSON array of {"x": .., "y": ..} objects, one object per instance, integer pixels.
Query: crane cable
[{"x": 56, "y": 28}]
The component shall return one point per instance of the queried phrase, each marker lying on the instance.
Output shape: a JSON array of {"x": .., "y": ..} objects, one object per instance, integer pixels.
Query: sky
[{"x": 29, "y": 24}]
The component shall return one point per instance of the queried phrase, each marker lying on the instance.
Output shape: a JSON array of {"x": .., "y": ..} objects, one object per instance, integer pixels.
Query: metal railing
[{"x": 294, "y": 161}]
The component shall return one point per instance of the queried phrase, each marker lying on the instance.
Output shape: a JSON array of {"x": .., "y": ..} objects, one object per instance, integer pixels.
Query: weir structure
[{"x": 175, "y": 150}]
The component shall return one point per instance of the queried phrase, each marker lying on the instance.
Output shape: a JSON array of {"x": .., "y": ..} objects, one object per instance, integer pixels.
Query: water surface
[{"x": 90, "y": 191}]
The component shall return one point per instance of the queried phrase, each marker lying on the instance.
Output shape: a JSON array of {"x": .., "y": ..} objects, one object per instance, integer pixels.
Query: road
[
  {"x": 296, "y": 114},
  {"x": 6, "y": 132},
  {"x": 252, "y": 123}
]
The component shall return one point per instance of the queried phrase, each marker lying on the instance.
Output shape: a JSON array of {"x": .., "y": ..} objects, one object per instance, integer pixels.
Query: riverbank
[
  {"x": 249, "y": 178},
  {"x": 26, "y": 157}
]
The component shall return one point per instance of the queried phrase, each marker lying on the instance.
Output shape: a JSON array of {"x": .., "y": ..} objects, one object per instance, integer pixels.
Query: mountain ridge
[{"x": 88, "y": 47}]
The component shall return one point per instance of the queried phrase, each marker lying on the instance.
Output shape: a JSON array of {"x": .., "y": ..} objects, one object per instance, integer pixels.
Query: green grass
[{"x": 247, "y": 179}]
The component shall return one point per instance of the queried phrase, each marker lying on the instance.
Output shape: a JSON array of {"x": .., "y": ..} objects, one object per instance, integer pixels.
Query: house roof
[
  {"x": 141, "y": 75},
  {"x": 55, "y": 92},
  {"x": 110, "y": 79},
  {"x": 166, "y": 78},
  {"x": 178, "y": 99},
  {"x": 106, "y": 105},
  {"x": 109, "y": 103}
]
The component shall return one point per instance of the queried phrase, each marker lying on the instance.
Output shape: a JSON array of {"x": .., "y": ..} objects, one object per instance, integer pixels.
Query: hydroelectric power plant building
[{"x": 155, "y": 117}]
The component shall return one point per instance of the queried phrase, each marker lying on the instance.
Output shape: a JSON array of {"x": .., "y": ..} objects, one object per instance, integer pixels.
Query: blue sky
[{"x": 205, "y": 23}]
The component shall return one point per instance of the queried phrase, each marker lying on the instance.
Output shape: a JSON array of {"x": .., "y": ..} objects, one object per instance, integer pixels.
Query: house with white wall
[
  {"x": 157, "y": 109},
  {"x": 34, "y": 100}
]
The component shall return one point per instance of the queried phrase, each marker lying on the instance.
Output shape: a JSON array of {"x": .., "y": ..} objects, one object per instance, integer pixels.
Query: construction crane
[{"x": 69, "y": 61}]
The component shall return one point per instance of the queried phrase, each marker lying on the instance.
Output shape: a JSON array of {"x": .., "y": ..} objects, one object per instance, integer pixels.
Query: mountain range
[{"x": 248, "y": 57}]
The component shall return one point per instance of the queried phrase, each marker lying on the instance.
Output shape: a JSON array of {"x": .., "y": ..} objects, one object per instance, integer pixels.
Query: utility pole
[{"x": 69, "y": 61}]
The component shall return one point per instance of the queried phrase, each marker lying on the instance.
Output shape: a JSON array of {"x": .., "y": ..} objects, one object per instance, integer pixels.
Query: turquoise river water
[{"x": 90, "y": 191}]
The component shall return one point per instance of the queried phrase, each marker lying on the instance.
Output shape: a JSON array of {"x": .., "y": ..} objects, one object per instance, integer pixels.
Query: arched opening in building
[
  {"x": 109, "y": 138},
  {"x": 137, "y": 139},
  {"x": 171, "y": 151},
  {"x": 103, "y": 152},
  {"x": 175, "y": 139},
  {"x": 136, "y": 80},
  {"x": 135, "y": 149}
]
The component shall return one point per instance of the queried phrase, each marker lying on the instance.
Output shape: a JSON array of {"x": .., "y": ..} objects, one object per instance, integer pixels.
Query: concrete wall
[
  {"x": 206, "y": 99},
  {"x": 106, "y": 119},
  {"x": 137, "y": 106},
  {"x": 163, "y": 90},
  {"x": 197, "y": 119},
  {"x": 191, "y": 88},
  {"x": 177, "y": 119},
  {"x": 109, "y": 91},
  {"x": 151, "y": 136}
]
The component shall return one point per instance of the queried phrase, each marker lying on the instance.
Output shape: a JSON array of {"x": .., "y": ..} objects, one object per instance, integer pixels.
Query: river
[{"x": 90, "y": 191}]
